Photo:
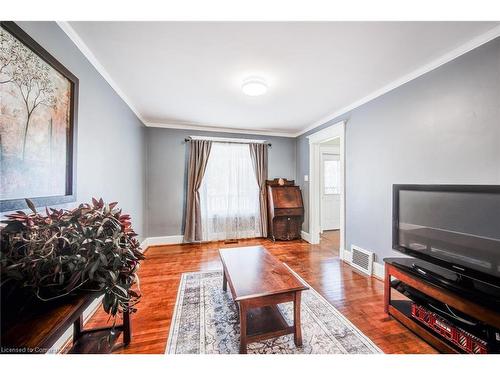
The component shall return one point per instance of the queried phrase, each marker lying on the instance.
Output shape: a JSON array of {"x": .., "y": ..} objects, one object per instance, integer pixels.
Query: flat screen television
[{"x": 452, "y": 226}]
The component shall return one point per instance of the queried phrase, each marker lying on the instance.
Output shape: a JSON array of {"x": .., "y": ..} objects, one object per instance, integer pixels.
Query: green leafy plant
[{"x": 89, "y": 248}]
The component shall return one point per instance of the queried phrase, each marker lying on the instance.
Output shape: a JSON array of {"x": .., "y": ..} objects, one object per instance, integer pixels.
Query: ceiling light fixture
[{"x": 254, "y": 86}]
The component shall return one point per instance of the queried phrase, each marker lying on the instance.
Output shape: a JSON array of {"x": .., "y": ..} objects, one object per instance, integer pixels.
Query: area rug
[{"x": 206, "y": 321}]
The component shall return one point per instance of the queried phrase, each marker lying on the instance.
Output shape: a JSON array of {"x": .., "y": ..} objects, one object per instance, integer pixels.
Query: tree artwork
[
  {"x": 24, "y": 69},
  {"x": 34, "y": 122}
]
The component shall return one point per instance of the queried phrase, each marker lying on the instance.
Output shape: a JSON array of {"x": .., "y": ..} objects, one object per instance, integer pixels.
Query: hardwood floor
[
  {"x": 358, "y": 297},
  {"x": 331, "y": 239}
]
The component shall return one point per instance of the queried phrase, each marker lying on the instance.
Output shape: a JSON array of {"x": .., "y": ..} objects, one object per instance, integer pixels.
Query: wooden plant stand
[{"x": 37, "y": 331}]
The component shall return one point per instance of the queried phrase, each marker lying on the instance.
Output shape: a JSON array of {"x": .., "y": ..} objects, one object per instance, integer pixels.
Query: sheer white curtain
[{"x": 229, "y": 194}]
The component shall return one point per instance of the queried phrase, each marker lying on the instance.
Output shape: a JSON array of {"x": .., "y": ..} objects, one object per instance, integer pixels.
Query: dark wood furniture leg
[
  {"x": 296, "y": 319},
  {"x": 79, "y": 333},
  {"x": 224, "y": 281},
  {"x": 387, "y": 288},
  {"x": 77, "y": 328},
  {"x": 243, "y": 328},
  {"x": 127, "y": 331}
]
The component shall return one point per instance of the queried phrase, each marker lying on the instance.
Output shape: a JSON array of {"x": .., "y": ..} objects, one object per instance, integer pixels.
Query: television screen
[{"x": 461, "y": 228}]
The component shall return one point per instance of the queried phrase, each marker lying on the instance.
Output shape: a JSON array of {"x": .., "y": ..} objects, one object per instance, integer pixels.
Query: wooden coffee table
[{"x": 258, "y": 283}]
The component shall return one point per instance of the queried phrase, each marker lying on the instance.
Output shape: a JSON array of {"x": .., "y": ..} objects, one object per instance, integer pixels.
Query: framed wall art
[{"x": 38, "y": 123}]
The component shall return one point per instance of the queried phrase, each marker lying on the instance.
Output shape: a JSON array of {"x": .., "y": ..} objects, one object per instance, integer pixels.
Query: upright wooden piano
[{"x": 286, "y": 209}]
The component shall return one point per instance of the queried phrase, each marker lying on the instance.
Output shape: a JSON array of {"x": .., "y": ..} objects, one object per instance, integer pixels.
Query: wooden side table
[{"x": 39, "y": 329}]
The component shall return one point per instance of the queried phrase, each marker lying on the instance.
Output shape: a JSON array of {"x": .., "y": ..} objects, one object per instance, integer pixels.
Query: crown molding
[
  {"x": 464, "y": 48},
  {"x": 457, "y": 52},
  {"x": 211, "y": 128},
  {"x": 85, "y": 50},
  {"x": 82, "y": 46}
]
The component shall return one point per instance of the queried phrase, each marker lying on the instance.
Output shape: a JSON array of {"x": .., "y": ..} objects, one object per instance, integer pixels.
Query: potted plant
[{"x": 61, "y": 252}]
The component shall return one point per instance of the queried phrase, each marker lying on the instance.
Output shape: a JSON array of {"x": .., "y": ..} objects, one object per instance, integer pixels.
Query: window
[
  {"x": 229, "y": 194},
  {"x": 331, "y": 180}
]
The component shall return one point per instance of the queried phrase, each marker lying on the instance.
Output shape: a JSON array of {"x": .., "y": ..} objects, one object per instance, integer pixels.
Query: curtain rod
[{"x": 226, "y": 140}]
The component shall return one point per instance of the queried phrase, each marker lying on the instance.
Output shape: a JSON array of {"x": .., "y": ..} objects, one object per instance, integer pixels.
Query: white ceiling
[{"x": 185, "y": 74}]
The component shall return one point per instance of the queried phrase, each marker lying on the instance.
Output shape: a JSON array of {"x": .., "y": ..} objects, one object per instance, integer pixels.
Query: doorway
[
  {"x": 329, "y": 185},
  {"x": 326, "y": 186}
]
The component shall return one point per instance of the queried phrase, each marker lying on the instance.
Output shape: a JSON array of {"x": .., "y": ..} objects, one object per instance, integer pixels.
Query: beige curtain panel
[
  {"x": 258, "y": 152},
  {"x": 199, "y": 152}
]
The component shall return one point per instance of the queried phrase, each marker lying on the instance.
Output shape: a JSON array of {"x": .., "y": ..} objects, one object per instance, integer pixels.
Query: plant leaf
[
  {"x": 93, "y": 269},
  {"x": 31, "y": 205}
]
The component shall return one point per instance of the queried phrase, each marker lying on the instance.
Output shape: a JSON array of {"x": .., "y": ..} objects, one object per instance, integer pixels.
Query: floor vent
[
  {"x": 362, "y": 259},
  {"x": 230, "y": 241}
]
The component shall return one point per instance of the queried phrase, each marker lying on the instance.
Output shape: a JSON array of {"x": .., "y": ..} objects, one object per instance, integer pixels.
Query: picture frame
[{"x": 66, "y": 181}]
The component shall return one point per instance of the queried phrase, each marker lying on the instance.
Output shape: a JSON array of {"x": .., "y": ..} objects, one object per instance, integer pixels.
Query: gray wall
[
  {"x": 111, "y": 139},
  {"x": 443, "y": 127},
  {"x": 167, "y": 180}
]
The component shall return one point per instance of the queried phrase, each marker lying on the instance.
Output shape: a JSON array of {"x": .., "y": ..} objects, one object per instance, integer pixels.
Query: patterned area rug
[{"x": 206, "y": 321}]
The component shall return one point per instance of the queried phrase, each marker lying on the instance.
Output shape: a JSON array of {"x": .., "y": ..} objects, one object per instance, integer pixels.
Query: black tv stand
[
  {"x": 465, "y": 282},
  {"x": 459, "y": 281},
  {"x": 479, "y": 301}
]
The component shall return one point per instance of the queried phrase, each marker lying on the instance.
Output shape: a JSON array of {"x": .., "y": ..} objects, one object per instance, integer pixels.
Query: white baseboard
[
  {"x": 305, "y": 236},
  {"x": 378, "y": 269},
  {"x": 163, "y": 240},
  {"x": 345, "y": 255},
  {"x": 144, "y": 244}
]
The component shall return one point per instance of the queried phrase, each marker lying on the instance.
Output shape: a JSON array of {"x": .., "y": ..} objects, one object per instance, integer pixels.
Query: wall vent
[{"x": 362, "y": 259}]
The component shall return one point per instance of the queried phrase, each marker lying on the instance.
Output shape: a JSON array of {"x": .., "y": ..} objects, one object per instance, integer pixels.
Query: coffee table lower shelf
[
  {"x": 259, "y": 283},
  {"x": 266, "y": 322}
]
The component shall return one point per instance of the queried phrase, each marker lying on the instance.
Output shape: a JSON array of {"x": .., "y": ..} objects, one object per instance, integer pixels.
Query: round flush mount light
[{"x": 254, "y": 86}]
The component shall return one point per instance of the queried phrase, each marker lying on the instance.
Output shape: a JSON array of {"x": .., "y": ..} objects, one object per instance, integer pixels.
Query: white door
[{"x": 330, "y": 192}]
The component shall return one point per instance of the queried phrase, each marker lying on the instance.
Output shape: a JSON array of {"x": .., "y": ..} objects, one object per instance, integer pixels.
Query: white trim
[
  {"x": 163, "y": 240},
  {"x": 213, "y": 128},
  {"x": 325, "y": 134},
  {"x": 230, "y": 140},
  {"x": 305, "y": 236},
  {"x": 378, "y": 268},
  {"x": 144, "y": 245},
  {"x": 85, "y": 50},
  {"x": 330, "y": 149},
  {"x": 457, "y": 52},
  {"x": 346, "y": 256},
  {"x": 333, "y": 131},
  {"x": 342, "y": 253}
]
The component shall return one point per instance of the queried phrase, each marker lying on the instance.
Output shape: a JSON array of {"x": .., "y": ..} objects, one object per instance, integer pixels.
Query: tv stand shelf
[
  {"x": 401, "y": 311},
  {"x": 397, "y": 268}
]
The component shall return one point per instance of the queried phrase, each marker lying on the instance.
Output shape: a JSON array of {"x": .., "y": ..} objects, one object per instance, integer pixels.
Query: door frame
[
  {"x": 336, "y": 130},
  {"x": 332, "y": 151}
]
